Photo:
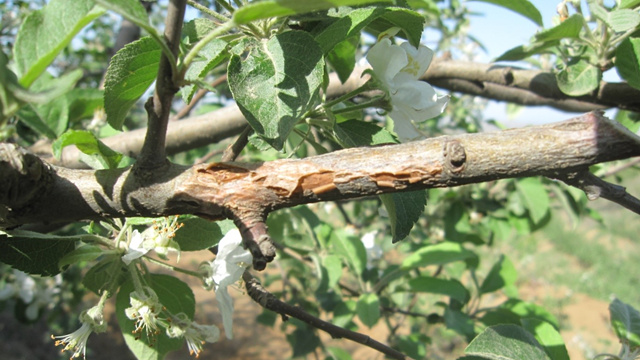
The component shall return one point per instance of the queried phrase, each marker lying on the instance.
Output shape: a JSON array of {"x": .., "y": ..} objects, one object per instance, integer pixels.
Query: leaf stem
[
  {"x": 174, "y": 268},
  {"x": 191, "y": 55},
  {"x": 207, "y": 11}
]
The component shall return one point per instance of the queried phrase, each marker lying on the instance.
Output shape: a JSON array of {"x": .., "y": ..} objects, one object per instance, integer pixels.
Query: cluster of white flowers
[
  {"x": 399, "y": 68},
  {"x": 158, "y": 237},
  {"x": 35, "y": 292}
]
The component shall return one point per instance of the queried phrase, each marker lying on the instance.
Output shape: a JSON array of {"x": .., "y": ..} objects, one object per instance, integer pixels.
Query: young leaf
[
  {"x": 578, "y": 78},
  {"x": 132, "y": 70},
  {"x": 506, "y": 342},
  {"x": 45, "y": 32},
  {"x": 273, "y": 8},
  {"x": 625, "y": 320},
  {"x": 82, "y": 253},
  {"x": 522, "y": 7},
  {"x": 347, "y": 26},
  {"x": 108, "y": 274},
  {"x": 343, "y": 57},
  {"x": 354, "y": 133},
  {"x": 175, "y": 296},
  {"x": 87, "y": 143},
  {"x": 368, "y": 309},
  {"x": 37, "y": 255},
  {"x": 623, "y": 20},
  {"x": 502, "y": 274},
  {"x": 351, "y": 249},
  {"x": 626, "y": 4},
  {"x": 524, "y": 51},
  {"x": 628, "y": 61},
  {"x": 570, "y": 28},
  {"x": 438, "y": 254},
  {"x": 199, "y": 234},
  {"x": 404, "y": 210},
  {"x": 277, "y": 82},
  {"x": 449, "y": 287},
  {"x": 411, "y": 22},
  {"x": 535, "y": 197},
  {"x": 548, "y": 337}
]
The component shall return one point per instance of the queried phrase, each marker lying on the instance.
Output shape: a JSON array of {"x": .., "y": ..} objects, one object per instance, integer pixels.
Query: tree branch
[
  {"x": 269, "y": 301},
  {"x": 158, "y": 107},
  {"x": 250, "y": 191}
]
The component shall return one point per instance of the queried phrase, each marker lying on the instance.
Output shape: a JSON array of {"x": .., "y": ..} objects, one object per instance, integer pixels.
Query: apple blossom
[
  {"x": 92, "y": 321},
  {"x": 398, "y": 68}
]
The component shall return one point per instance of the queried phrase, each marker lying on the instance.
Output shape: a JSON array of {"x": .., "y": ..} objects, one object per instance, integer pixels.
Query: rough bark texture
[{"x": 250, "y": 191}]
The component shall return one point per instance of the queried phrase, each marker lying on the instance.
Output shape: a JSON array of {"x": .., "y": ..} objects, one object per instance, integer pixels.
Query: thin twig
[
  {"x": 616, "y": 169},
  {"x": 232, "y": 152},
  {"x": 595, "y": 188},
  {"x": 159, "y": 106},
  {"x": 269, "y": 301}
]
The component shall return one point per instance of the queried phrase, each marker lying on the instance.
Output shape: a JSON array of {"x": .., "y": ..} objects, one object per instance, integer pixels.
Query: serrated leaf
[
  {"x": 131, "y": 71},
  {"x": 34, "y": 255},
  {"x": 578, "y": 78},
  {"x": 404, "y": 210},
  {"x": 628, "y": 61},
  {"x": 342, "y": 57},
  {"x": 548, "y": 337},
  {"x": 502, "y": 274},
  {"x": 438, "y": 254},
  {"x": 88, "y": 144},
  {"x": 355, "y": 133},
  {"x": 522, "y": 7},
  {"x": 277, "y": 82},
  {"x": 623, "y": 20},
  {"x": 199, "y": 234},
  {"x": 175, "y": 296},
  {"x": 506, "y": 342},
  {"x": 274, "y": 8},
  {"x": 449, "y": 287},
  {"x": 83, "y": 253},
  {"x": 198, "y": 28},
  {"x": 625, "y": 321},
  {"x": 368, "y": 309},
  {"x": 535, "y": 197},
  {"x": 351, "y": 249},
  {"x": 570, "y": 28},
  {"x": 108, "y": 274},
  {"x": 45, "y": 32}
]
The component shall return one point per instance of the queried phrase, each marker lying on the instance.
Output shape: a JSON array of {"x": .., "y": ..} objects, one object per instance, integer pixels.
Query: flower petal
[
  {"x": 387, "y": 60},
  {"x": 418, "y": 59}
]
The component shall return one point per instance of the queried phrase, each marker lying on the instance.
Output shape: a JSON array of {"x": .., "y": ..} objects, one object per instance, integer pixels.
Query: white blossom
[
  {"x": 145, "y": 310},
  {"x": 158, "y": 237},
  {"x": 398, "y": 68},
  {"x": 196, "y": 335},
  {"x": 35, "y": 292},
  {"x": 92, "y": 321},
  {"x": 136, "y": 248},
  {"x": 374, "y": 251},
  {"x": 227, "y": 268}
]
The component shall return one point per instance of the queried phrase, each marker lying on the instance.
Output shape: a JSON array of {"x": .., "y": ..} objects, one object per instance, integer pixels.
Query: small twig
[
  {"x": 159, "y": 106},
  {"x": 595, "y": 188},
  {"x": 269, "y": 301},
  {"x": 197, "y": 97},
  {"x": 233, "y": 151},
  {"x": 616, "y": 169}
]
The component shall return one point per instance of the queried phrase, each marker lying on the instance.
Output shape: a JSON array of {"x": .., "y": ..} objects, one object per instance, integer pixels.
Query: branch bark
[{"x": 251, "y": 191}]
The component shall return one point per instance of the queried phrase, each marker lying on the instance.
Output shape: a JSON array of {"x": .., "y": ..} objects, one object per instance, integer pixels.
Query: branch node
[
  {"x": 257, "y": 240},
  {"x": 454, "y": 155}
]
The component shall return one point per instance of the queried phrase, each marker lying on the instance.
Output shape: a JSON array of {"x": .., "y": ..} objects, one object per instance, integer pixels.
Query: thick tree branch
[
  {"x": 269, "y": 301},
  {"x": 250, "y": 191},
  {"x": 159, "y": 106}
]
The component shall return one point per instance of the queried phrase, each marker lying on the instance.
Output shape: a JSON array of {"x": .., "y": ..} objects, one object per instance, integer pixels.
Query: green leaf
[
  {"x": 347, "y": 26},
  {"x": 506, "y": 342},
  {"x": 411, "y": 23},
  {"x": 355, "y": 133},
  {"x": 132, "y": 70},
  {"x": 628, "y": 61},
  {"x": 343, "y": 313},
  {"x": 460, "y": 322},
  {"x": 108, "y": 274},
  {"x": 103, "y": 157},
  {"x": 199, "y": 234},
  {"x": 83, "y": 103},
  {"x": 336, "y": 353},
  {"x": 343, "y": 57},
  {"x": 625, "y": 321},
  {"x": 303, "y": 341},
  {"x": 623, "y": 20},
  {"x": 37, "y": 255},
  {"x": 502, "y": 274},
  {"x": 274, "y": 8},
  {"x": 80, "y": 254},
  {"x": 524, "y": 51},
  {"x": 548, "y": 337},
  {"x": 449, "y": 287},
  {"x": 404, "y": 210},
  {"x": 626, "y": 4},
  {"x": 522, "y": 7},
  {"x": 368, "y": 309},
  {"x": 351, "y": 249},
  {"x": 525, "y": 309},
  {"x": 535, "y": 197},
  {"x": 175, "y": 296},
  {"x": 211, "y": 56},
  {"x": 44, "y": 33},
  {"x": 578, "y": 78},
  {"x": 333, "y": 266},
  {"x": 438, "y": 254},
  {"x": 277, "y": 82},
  {"x": 131, "y": 10},
  {"x": 570, "y": 28}
]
